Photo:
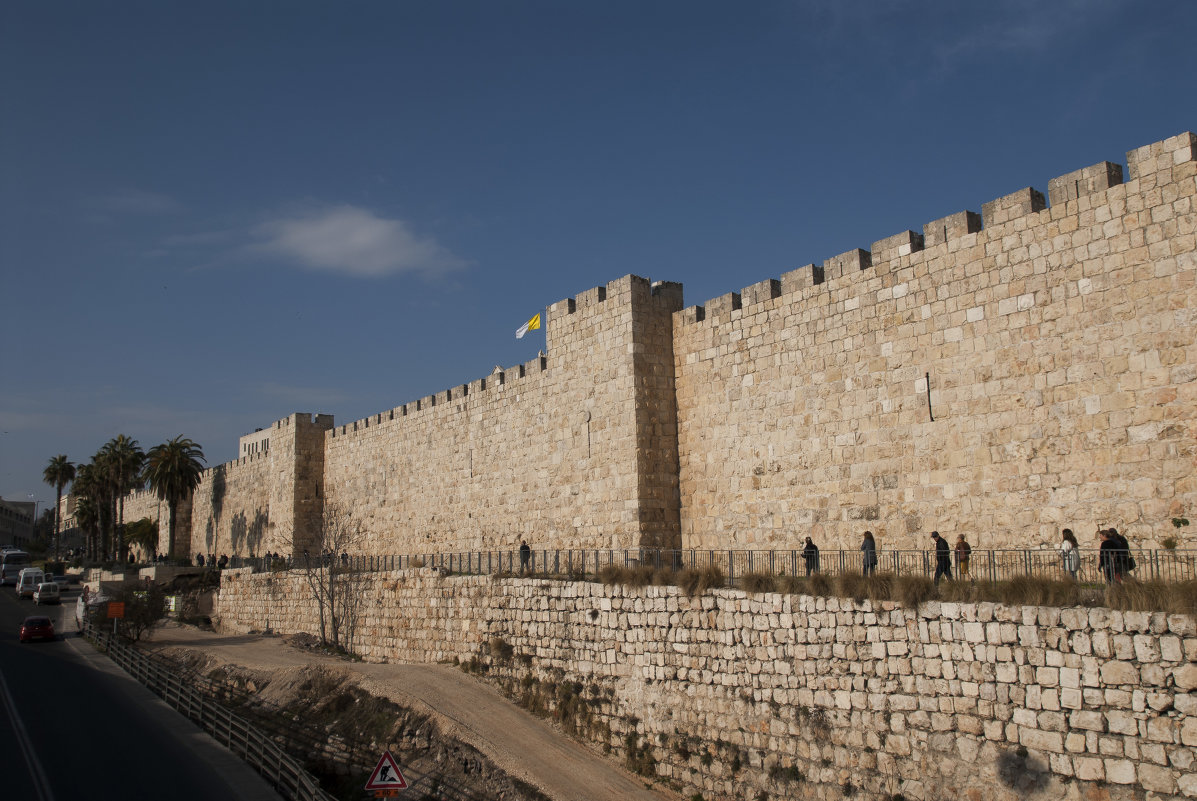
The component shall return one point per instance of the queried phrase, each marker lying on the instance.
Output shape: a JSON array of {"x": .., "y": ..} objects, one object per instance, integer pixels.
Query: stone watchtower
[{"x": 610, "y": 353}]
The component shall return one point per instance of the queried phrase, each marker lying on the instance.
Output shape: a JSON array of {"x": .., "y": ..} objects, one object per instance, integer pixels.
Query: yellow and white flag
[{"x": 531, "y": 325}]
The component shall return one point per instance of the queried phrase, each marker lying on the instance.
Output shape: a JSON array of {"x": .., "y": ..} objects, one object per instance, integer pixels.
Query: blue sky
[{"x": 215, "y": 214}]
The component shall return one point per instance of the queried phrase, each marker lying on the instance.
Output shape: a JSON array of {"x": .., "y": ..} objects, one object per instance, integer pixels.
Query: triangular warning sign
[{"x": 386, "y": 775}]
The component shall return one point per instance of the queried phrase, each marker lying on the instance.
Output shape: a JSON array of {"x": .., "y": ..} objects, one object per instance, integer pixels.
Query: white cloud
[{"x": 352, "y": 240}]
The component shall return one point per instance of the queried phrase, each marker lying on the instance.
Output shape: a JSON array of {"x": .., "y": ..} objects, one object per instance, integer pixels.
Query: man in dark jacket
[
  {"x": 943, "y": 557},
  {"x": 810, "y": 555}
]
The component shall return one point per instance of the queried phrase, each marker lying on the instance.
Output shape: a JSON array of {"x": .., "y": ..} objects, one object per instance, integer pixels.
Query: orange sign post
[{"x": 116, "y": 609}]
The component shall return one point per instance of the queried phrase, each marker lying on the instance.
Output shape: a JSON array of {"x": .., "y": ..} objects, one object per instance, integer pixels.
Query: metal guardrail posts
[{"x": 276, "y": 766}]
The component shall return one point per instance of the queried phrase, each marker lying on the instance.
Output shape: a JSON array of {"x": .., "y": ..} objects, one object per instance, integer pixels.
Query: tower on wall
[{"x": 611, "y": 352}]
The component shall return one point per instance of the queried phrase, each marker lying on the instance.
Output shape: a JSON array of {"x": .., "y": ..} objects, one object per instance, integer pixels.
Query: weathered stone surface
[
  {"x": 789, "y": 687},
  {"x": 945, "y": 387}
]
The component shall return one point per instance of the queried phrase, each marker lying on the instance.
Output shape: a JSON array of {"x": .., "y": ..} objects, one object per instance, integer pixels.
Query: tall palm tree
[
  {"x": 91, "y": 497},
  {"x": 173, "y": 472},
  {"x": 124, "y": 459},
  {"x": 101, "y": 489},
  {"x": 58, "y": 473}
]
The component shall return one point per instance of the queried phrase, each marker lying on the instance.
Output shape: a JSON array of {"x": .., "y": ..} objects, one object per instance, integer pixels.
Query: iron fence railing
[
  {"x": 989, "y": 564},
  {"x": 256, "y": 749}
]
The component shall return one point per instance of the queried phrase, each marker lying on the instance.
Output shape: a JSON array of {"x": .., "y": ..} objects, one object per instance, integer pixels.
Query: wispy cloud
[
  {"x": 1023, "y": 26},
  {"x": 352, "y": 240}
]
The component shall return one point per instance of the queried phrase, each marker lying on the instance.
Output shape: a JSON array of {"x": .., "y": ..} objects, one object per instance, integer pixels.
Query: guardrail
[
  {"x": 258, "y": 750},
  {"x": 989, "y": 564}
]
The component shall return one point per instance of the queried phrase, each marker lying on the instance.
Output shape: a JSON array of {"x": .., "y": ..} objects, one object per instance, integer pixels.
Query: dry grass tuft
[
  {"x": 696, "y": 581},
  {"x": 758, "y": 582},
  {"x": 1153, "y": 596}
]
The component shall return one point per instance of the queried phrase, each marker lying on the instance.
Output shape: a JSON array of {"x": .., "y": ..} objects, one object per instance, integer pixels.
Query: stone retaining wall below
[{"x": 769, "y": 696}]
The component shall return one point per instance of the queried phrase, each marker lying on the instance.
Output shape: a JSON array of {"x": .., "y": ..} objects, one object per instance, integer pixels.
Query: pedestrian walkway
[{"x": 465, "y": 708}]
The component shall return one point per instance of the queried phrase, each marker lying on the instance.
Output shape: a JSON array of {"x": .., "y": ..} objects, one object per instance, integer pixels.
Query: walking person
[
  {"x": 943, "y": 557},
  {"x": 1107, "y": 556},
  {"x": 1123, "y": 561},
  {"x": 869, "y": 547},
  {"x": 525, "y": 557},
  {"x": 810, "y": 554},
  {"x": 963, "y": 553},
  {"x": 1070, "y": 553}
]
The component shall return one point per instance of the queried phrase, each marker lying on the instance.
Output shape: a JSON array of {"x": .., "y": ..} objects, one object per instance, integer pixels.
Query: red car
[{"x": 37, "y": 628}]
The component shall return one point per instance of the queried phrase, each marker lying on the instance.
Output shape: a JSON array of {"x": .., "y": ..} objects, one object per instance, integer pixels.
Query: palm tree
[
  {"x": 58, "y": 473},
  {"x": 124, "y": 459},
  {"x": 87, "y": 518},
  {"x": 173, "y": 471},
  {"x": 91, "y": 496}
]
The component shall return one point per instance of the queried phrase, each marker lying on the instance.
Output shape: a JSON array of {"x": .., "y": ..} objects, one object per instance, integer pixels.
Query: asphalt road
[{"x": 73, "y": 725}]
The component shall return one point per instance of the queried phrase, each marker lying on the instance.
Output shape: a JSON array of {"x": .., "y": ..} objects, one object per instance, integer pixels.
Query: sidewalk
[{"x": 465, "y": 708}]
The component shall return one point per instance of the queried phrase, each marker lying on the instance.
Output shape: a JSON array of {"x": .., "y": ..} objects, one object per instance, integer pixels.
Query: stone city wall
[
  {"x": 1001, "y": 375},
  {"x": 551, "y": 451},
  {"x": 772, "y": 696},
  {"x": 1061, "y": 348},
  {"x": 266, "y": 502}
]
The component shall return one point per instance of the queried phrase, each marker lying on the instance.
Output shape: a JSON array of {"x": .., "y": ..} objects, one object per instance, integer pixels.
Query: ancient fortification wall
[
  {"x": 267, "y": 502},
  {"x": 553, "y": 451},
  {"x": 733, "y": 694},
  {"x": 1002, "y": 375},
  {"x": 1059, "y": 343}
]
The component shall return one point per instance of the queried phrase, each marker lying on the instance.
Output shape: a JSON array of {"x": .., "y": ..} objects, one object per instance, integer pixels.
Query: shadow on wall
[
  {"x": 1020, "y": 771},
  {"x": 248, "y": 534}
]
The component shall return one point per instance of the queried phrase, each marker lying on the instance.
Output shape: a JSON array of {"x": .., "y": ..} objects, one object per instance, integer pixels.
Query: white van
[
  {"x": 11, "y": 564},
  {"x": 27, "y": 581}
]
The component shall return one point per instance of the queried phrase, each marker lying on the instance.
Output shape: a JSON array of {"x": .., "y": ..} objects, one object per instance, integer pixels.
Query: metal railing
[
  {"x": 990, "y": 564},
  {"x": 256, "y": 749}
]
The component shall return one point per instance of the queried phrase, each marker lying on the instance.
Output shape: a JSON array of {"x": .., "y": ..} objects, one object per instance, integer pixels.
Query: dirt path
[{"x": 465, "y": 708}]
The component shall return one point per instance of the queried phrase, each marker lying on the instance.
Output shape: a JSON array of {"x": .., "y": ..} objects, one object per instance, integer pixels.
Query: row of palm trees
[{"x": 171, "y": 470}]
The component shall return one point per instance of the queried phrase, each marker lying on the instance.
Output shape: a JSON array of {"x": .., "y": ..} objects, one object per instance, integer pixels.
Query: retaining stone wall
[{"x": 735, "y": 695}]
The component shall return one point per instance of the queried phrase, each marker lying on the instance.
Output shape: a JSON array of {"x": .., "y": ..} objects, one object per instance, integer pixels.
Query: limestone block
[
  {"x": 1090, "y": 769},
  {"x": 1120, "y": 771},
  {"x": 1119, "y": 673},
  {"x": 1185, "y": 678}
]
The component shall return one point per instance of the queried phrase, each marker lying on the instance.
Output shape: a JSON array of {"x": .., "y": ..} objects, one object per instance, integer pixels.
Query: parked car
[
  {"x": 63, "y": 582},
  {"x": 27, "y": 581},
  {"x": 47, "y": 593},
  {"x": 37, "y": 627}
]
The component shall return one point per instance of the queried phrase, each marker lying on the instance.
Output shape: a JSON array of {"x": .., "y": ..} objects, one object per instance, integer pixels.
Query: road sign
[
  {"x": 116, "y": 609},
  {"x": 386, "y": 775}
]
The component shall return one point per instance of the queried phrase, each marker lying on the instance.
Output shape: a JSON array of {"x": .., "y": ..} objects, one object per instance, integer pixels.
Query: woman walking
[{"x": 1070, "y": 555}]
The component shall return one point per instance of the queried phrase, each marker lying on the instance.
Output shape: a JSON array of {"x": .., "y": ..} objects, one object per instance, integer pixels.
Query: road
[{"x": 73, "y": 725}]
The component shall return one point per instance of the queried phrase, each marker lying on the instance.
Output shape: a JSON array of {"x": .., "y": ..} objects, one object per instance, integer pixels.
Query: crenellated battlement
[
  {"x": 1003, "y": 374},
  {"x": 999, "y": 374},
  {"x": 499, "y": 379},
  {"x": 990, "y": 225}
]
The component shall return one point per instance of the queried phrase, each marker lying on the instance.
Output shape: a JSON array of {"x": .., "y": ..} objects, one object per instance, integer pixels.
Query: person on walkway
[
  {"x": 1070, "y": 553},
  {"x": 869, "y": 547},
  {"x": 223, "y": 562},
  {"x": 963, "y": 552},
  {"x": 810, "y": 554},
  {"x": 943, "y": 557},
  {"x": 1123, "y": 561},
  {"x": 525, "y": 557},
  {"x": 199, "y": 559},
  {"x": 1107, "y": 556}
]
